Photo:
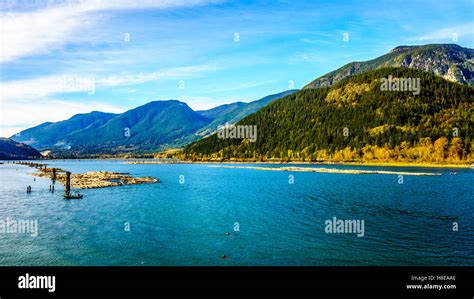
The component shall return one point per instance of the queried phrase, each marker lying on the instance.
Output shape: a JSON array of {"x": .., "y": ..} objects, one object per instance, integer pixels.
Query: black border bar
[{"x": 243, "y": 282}]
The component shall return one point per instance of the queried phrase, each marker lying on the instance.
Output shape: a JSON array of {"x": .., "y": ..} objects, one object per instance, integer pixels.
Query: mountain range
[
  {"x": 160, "y": 125},
  {"x": 154, "y": 126}
]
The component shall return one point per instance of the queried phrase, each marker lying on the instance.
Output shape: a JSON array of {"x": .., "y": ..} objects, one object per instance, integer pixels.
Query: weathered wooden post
[
  {"x": 54, "y": 174},
  {"x": 68, "y": 183}
]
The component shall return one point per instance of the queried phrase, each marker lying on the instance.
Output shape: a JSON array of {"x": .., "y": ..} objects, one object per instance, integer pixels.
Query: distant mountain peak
[
  {"x": 164, "y": 103},
  {"x": 450, "y": 61},
  {"x": 92, "y": 113},
  {"x": 400, "y": 49},
  {"x": 150, "y": 126}
]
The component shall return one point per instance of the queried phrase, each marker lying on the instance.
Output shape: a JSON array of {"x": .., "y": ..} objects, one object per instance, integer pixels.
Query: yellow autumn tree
[
  {"x": 423, "y": 150},
  {"x": 440, "y": 148},
  {"x": 348, "y": 154},
  {"x": 455, "y": 149},
  {"x": 381, "y": 153},
  {"x": 367, "y": 153},
  {"x": 403, "y": 150},
  {"x": 338, "y": 156},
  {"x": 322, "y": 155}
]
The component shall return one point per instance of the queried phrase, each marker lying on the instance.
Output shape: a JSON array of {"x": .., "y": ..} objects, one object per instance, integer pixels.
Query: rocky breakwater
[
  {"x": 101, "y": 179},
  {"x": 93, "y": 179}
]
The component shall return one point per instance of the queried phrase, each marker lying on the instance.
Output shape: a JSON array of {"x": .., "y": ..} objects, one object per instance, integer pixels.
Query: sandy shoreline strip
[
  {"x": 375, "y": 164},
  {"x": 330, "y": 170}
]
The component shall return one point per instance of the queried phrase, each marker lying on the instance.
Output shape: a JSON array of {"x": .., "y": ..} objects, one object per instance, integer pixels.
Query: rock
[{"x": 93, "y": 179}]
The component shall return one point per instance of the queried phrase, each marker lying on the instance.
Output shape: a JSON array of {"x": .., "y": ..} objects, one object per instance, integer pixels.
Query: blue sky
[{"x": 59, "y": 58}]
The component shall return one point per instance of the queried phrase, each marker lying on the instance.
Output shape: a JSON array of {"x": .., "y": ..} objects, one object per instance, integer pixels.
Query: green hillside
[
  {"x": 11, "y": 150},
  {"x": 356, "y": 120},
  {"x": 57, "y": 134}
]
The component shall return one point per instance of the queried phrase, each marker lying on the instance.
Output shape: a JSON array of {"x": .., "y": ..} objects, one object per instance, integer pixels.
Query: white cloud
[
  {"x": 25, "y": 90},
  {"x": 49, "y": 28},
  {"x": 447, "y": 33},
  {"x": 174, "y": 73},
  {"x": 38, "y": 32}
]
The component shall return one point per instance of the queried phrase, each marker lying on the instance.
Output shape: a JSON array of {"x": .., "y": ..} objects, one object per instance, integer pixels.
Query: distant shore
[
  {"x": 270, "y": 162},
  {"x": 383, "y": 164},
  {"x": 408, "y": 164}
]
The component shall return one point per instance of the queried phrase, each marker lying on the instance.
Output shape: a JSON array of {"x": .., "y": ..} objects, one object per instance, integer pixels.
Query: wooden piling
[{"x": 68, "y": 183}]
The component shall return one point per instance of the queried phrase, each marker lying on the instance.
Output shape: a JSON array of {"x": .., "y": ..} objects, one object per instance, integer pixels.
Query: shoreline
[
  {"x": 176, "y": 161},
  {"x": 370, "y": 164}
]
